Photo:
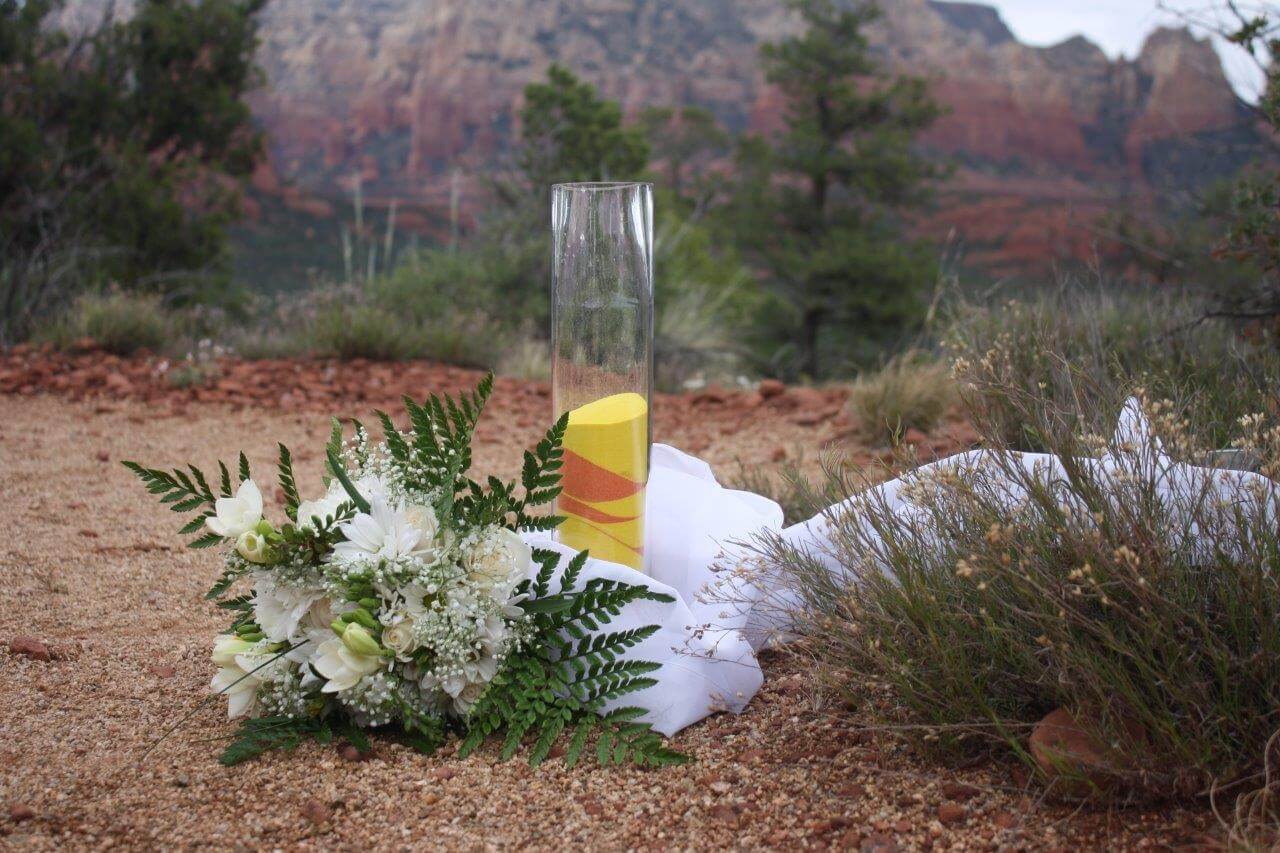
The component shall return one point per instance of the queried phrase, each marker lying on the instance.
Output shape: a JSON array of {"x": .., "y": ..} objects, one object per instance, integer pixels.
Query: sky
[{"x": 1119, "y": 27}]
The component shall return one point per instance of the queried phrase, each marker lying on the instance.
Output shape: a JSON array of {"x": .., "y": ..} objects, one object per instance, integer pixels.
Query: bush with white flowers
[{"x": 404, "y": 598}]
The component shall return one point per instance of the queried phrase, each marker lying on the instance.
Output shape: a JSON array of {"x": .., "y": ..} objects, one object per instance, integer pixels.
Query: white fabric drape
[{"x": 692, "y": 522}]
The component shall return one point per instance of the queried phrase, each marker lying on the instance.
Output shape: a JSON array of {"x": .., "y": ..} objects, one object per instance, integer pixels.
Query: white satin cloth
[{"x": 705, "y": 646}]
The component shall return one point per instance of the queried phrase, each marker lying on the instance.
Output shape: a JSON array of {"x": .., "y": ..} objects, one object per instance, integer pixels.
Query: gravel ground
[{"x": 90, "y": 566}]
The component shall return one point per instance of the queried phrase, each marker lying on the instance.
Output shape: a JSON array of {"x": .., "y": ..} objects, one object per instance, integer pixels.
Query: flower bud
[
  {"x": 360, "y": 641},
  {"x": 253, "y": 547},
  {"x": 227, "y": 646}
]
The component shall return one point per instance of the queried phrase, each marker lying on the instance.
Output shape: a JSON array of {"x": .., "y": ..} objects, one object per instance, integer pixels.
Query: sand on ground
[{"x": 90, "y": 564}]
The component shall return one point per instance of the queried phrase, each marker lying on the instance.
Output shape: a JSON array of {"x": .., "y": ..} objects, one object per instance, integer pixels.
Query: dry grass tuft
[{"x": 912, "y": 391}]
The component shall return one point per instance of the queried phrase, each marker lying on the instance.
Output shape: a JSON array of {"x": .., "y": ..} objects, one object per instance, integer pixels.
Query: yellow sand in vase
[{"x": 606, "y": 466}]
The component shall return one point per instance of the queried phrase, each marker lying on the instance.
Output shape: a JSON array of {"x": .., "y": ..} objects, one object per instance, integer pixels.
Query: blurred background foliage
[{"x": 128, "y": 147}]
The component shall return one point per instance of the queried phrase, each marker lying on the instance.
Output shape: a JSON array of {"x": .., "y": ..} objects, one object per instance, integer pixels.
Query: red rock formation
[{"x": 406, "y": 93}]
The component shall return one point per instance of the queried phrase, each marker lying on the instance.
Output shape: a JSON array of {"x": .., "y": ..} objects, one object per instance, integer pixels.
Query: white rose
[
  {"x": 422, "y": 518},
  {"x": 234, "y": 516},
  {"x": 341, "y": 667},
  {"x": 467, "y": 698},
  {"x": 398, "y": 636},
  {"x": 499, "y": 559}
]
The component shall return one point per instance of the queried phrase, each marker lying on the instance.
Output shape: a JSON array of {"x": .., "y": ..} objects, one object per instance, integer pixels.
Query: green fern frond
[
  {"x": 288, "y": 485},
  {"x": 264, "y": 734}
]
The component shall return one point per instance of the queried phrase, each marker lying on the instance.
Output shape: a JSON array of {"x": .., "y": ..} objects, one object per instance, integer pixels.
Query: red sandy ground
[{"x": 91, "y": 569}]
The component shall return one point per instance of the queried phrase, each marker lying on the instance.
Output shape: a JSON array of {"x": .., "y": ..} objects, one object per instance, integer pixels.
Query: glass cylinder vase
[{"x": 602, "y": 362}]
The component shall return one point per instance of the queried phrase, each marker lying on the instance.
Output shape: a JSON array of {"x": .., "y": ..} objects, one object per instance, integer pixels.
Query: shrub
[
  {"x": 1154, "y": 618},
  {"x": 788, "y": 489},
  {"x": 1074, "y": 346},
  {"x": 525, "y": 357},
  {"x": 360, "y": 331},
  {"x": 119, "y": 322},
  {"x": 912, "y": 390}
]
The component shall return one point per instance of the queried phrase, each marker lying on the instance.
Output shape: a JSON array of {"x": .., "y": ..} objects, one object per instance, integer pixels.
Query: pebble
[
  {"x": 770, "y": 388},
  {"x": 724, "y": 814},
  {"x": 317, "y": 812},
  {"x": 959, "y": 791},
  {"x": 19, "y": 812},
  {"x": 30, "y": 647},
  {"x": 951, "y": 813}
]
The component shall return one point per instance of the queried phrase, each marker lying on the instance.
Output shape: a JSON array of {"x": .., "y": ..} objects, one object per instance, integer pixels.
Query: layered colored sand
[{"x": 606, "y": 466}]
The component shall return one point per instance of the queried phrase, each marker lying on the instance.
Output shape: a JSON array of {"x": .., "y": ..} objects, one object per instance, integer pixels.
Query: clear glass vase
[{"x": 602, "y": 362}]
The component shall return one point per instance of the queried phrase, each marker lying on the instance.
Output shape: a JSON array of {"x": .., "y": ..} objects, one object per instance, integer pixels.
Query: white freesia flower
[
  {"x": 280, "y": 608},
  {"x": 227, "y": 646},
  {"x": 381, "y": 532},
  {"x": 500, "y": 559},
  {"x": 341, "y": 667},
  {"x": 241, "y": 671},
  {"x": 234, "y": 516},
  {"x": 255, "y": 548}
]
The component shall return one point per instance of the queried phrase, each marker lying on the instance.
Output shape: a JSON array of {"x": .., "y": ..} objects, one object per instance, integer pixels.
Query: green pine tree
[
  {"x": 123, "y": 147},
  {"x": 821, "y": 206},
  {"x": 570, "y": 133}
]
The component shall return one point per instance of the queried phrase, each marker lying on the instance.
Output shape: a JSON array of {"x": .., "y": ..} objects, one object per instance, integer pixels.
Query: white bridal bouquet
[{"x": 404, "y": 600}]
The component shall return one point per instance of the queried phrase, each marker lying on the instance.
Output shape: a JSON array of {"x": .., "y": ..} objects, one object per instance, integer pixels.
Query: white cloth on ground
[{"x": 692, "y": 523}]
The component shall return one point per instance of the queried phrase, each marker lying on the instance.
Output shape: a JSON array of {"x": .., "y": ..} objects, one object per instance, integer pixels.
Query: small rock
[
  {"x": 878, "y": 844},
  {"x": 31, "y": 647},
  {"x": 350, "y": 752},
  {"x": 721, "y": 787},
  {"x": 724, "y": 814},
  {"x": 317, "y": 812},
  {"x": 102, "y": 456},
  {"x": 1004, "y": 820},
  {"x": 903, "y": 826},
  {"x": 1074, "y": 761},
  {"x": 444, "y": 773},
  {"x": 557, "y": 751},
  {"x": 950, "y": 814},
  {"x": 19, "y": 812},
  {"x": 822, "y": 827},
  {"x": 711, "y": 396},
  {"x": 770, "y": 388},
  {"x": 181, "y": 781},
  {"x": 592, "y": 806},
  {"x": 959, "y": 791},
  {"x": 852, "y": 791}
]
